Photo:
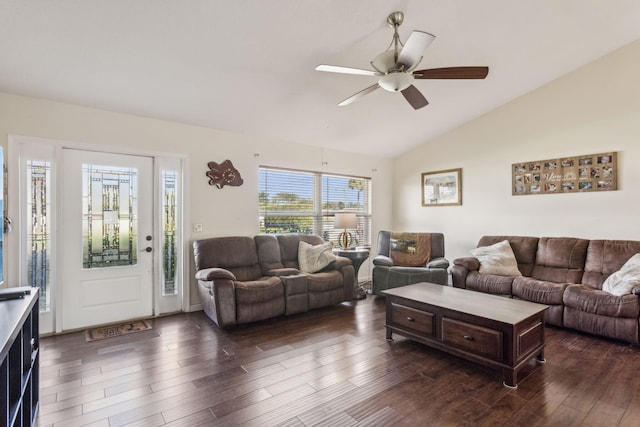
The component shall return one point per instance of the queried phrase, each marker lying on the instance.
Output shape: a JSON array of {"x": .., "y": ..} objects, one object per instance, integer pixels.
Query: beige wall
[
  {"x": 594, "y": 109},
  {"x": 227, "y": 211}
]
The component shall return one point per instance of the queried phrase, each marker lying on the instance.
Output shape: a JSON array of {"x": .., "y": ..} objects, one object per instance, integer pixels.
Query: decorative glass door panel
[{"x": 109, "y": 216}]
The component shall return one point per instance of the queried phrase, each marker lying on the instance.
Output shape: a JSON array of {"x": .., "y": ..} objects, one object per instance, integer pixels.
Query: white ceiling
[{"x": 247, "y": 66}]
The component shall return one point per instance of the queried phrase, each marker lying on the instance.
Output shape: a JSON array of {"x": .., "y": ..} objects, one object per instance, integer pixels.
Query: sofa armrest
[
  {"x": 218, "y": 299},
  {"x": 636, "y": 290},
  {"x": 209, "y": 274},
  {"x": 439, "y": 262},
  {"x": 460, "y": 270},
  {"x": 383, "y": 261},
  {"x": 279, "y": 272},
  {"x": 345, "y": 267},
  {"x": 470, "y": 263},
  {"x": 340, "y": 262}
]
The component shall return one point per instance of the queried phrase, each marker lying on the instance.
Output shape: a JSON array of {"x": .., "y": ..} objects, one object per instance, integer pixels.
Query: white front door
[{"x": 107, "y": 238}]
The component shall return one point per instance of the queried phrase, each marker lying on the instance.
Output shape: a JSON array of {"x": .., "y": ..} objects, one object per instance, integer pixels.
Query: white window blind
[{"x": 292, "y": 201}]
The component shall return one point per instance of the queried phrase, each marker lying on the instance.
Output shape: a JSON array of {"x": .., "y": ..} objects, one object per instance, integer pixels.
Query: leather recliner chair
[{"x": 388, "y": 274}]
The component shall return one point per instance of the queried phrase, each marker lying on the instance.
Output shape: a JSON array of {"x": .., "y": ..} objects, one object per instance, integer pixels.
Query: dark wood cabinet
[{"x": 19, "y": 375}]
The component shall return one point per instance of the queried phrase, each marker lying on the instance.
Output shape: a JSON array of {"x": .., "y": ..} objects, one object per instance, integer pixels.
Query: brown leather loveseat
[
  {"x": 244, "y": 279},
  {"x": 566, "y": 274}
]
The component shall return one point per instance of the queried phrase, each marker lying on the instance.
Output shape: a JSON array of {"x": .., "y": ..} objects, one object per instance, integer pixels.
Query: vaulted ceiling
[{"x": 247, "y": 66}]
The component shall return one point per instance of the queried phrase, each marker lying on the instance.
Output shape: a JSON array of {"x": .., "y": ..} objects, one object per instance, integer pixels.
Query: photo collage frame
[{"x": 591, "y": 172}]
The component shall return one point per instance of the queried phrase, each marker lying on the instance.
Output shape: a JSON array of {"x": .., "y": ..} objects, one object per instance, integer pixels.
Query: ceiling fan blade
[
  {"x": 413, "y": 50},
  {"x": 359, "y": 95},
  {"x": 414, "y": 97},
  {"x": 347, "y": 70},
  {"x": 452, "y": 73}
]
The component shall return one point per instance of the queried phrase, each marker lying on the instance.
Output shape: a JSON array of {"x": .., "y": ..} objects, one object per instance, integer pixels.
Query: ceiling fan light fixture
[
  {"x": 396, "y": 82},
  {"x": 384, "y": 62}
]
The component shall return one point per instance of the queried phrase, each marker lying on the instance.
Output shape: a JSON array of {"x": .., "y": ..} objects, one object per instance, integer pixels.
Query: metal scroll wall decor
[
  {"x": 224, "y": 174},
  {"x": 590, "y": 172}
]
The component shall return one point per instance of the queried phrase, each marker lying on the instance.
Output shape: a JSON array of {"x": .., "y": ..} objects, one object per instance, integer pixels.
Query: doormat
[{"x": 103, "y": 332}]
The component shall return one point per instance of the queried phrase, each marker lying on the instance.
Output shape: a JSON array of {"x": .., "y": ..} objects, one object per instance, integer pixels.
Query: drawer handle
[
  {"x": 411, "y": 319},
  {"x": 468, "y": 337}
]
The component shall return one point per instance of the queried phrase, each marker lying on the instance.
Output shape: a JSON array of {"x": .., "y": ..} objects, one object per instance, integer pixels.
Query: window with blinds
[{"x": 292, "y": 201}]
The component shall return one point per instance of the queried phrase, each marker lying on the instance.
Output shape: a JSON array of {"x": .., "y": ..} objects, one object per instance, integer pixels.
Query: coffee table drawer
[
  {"x": 407, "y": 317},
  {"x": 473, "y": 338}
]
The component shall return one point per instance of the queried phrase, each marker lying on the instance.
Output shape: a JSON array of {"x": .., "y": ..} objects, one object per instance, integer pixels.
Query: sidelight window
[{"x": 39, "y": 229}]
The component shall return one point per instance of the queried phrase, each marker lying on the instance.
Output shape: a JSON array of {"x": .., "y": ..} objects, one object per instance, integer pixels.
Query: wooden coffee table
[{"x": 493, "y": 331}]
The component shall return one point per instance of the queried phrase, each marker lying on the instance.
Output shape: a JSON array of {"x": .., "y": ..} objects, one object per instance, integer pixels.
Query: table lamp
[{"x": 345, "y": 220}]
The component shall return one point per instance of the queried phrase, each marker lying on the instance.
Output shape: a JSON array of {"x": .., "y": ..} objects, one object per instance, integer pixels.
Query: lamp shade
[{"x": 345, "y": 220}]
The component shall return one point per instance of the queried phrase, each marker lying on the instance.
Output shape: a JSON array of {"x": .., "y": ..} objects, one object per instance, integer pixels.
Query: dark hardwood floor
[{"x": 327, "y": 367}]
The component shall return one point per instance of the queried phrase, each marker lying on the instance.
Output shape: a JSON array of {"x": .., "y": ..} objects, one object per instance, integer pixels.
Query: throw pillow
[
  {"x": 624, "y": 280},
  {"x": 497, "y": 259},
  {"x": 314, "y": 258}
]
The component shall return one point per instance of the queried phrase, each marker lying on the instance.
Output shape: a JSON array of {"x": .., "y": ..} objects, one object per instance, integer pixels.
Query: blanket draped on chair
[{"x": 410, "y": 249}]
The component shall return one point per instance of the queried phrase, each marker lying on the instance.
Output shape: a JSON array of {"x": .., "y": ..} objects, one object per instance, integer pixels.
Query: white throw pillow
[
  {"x": 497, "y": 259},
  {"x": 314, "y": 258},
  {"x": 624, "y": 280}
]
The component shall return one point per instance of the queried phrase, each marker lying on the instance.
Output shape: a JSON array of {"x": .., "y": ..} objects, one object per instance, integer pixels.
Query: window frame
[{"x": 321, "y": 214}]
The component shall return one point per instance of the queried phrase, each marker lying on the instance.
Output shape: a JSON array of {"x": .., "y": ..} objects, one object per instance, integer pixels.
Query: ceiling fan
[{"x": 395, "y": 67}]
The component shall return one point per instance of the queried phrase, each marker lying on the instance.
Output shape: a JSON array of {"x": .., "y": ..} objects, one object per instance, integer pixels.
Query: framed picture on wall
[
  {"x": 589, "y": 172},
  {"x": 442, "y": 188}
]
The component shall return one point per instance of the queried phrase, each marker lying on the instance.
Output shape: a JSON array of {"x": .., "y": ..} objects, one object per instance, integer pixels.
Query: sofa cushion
[
  {"x": 497, "y": 259},
  {"x": 325, "y": 288},
  {"x": 623, "y": 281},
  {"x": 268, "y": 253},
  {"x": 259, "y": 299},
  {"x": 312, "y": 258},
  {"x": 605, "y": 257},
  {"x": 489, "y": 283},
  {"x": 539, "y": 291},
  {"x": 237, "y": 254},
  {"x": 257, "y": 291},
  {"x": 560, "y": 259},
  {"x": 289, "y": 247},
  {"x": 595, "y": 301}
]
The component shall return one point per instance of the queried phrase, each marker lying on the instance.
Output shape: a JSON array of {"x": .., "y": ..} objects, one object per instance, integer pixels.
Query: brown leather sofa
[
  {"x": 567, "y": 275},
  {"x": 245, "y": 279}
]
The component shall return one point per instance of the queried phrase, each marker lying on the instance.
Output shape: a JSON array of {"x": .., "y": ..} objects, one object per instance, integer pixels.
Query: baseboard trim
[{"x": 195, "y": 307}]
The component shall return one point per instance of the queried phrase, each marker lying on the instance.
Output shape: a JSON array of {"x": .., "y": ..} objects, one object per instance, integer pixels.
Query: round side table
[{"x": 357, "y": 257}]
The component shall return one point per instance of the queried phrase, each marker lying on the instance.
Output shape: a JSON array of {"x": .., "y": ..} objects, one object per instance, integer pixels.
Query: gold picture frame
[
  {"x": 578, "y": 174},
  {"x": 442, "y": 188}
]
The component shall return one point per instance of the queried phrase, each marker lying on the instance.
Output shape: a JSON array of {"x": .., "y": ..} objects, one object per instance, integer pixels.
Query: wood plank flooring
[{"x": 327, "y": 367}]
